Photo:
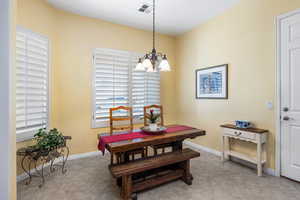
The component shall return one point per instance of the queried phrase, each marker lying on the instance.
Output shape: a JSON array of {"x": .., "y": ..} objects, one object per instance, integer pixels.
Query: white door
[{"x": 290, "y": 96}]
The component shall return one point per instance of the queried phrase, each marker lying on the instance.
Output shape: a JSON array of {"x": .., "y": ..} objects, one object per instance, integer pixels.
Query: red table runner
[{"x": 103, "y": 140}]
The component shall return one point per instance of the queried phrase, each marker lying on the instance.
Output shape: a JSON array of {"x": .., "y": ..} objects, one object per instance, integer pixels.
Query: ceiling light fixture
[{"x": 153, "y": 61}]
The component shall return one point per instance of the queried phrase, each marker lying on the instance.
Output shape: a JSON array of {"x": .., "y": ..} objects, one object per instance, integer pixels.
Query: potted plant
[
  {"x": 47, "y": 140},
  {"x": 153, "y": 120}
]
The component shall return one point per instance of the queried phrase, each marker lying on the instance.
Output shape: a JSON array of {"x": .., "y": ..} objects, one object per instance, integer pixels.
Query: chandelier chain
[{"x": 153, "y": 24}]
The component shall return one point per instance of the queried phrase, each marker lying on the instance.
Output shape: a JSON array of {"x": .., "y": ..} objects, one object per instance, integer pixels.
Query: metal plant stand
[{"x": 33, "y": 158}]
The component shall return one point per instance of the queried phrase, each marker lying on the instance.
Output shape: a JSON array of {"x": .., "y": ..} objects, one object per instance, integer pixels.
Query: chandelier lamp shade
[{"x": 153, "y": 61}]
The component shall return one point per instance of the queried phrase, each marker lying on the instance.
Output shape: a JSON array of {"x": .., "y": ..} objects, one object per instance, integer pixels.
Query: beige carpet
[{"x": 89, "y": 179}]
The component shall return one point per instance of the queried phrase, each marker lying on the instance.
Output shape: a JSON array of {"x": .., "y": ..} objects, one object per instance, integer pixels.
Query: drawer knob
[
  {"x": 237, "y": 134},
  {"x": 286, "y": 118}
]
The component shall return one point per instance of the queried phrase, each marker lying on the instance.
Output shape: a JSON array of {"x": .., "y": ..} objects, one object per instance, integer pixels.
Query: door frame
[
  {"x": 7, "y": 127},
  {"x": 278, "y": 89}
]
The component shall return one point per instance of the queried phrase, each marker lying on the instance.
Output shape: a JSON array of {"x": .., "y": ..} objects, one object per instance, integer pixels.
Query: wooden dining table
[{"x": 175, "y": 139}]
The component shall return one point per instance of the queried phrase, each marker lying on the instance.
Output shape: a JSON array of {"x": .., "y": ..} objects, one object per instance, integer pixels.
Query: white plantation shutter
[
  {"x": 32, "y": 71},
  {"x": 111, "y": 82},
  {"x": 153, "y": 88},
  {"x": 115, "y": 83},
  {"x": 145, "y": 90}
]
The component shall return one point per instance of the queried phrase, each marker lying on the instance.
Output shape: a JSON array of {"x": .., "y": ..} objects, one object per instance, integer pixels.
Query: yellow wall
[
  {"x": 73, "y": 39},
  {"x": 244, "y": 37}
]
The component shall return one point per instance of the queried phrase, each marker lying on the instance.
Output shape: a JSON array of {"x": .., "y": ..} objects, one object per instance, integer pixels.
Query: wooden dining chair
[
  {"x": 119, "y": 118},
  {"x": 118, "y": 124},
  {"x": 161, "y": 147},
  {"x": 147, "y": 115}
]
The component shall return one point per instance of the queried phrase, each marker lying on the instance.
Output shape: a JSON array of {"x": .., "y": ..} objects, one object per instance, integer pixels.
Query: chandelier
[{"x": 153, "y": 61}]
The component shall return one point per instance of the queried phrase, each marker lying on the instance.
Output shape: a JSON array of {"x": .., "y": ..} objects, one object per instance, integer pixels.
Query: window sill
[
  {"x": 106, "y": 123},
  {"x": 25, "y": 136}
]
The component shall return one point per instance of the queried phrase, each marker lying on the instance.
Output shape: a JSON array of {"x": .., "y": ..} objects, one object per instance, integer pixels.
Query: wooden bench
[{"x": 154, "y": 171}]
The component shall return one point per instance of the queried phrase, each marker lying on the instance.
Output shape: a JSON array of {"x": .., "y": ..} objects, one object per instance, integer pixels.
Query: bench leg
[
  {"x": 155, "y": 151},
  {"x": 134, "y": 196},
  {"x": 126, "y": 187},
  {"x": 187, "y": 176},
  {"x": 177, "y": 146},
  {"x": 119, "y": 182},
  {"x": 111, "y": 158}
]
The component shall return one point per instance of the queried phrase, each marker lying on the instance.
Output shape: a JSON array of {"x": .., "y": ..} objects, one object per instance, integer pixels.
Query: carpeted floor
[{"x": 89, "y": 179}]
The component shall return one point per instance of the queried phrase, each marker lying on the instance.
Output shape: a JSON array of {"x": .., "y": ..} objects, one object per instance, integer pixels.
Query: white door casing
[
  {"x": 7, "y": 142},
  {"x": 290, "y": 96}
]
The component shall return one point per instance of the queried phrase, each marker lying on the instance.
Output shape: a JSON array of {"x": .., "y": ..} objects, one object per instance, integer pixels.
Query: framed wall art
[{"x": 212, "y": 82}]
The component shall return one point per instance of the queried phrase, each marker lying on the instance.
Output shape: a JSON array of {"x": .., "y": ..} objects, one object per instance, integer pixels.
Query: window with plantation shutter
[
  {"x": 145, "y": 90},
  {"x": 111, "y": 81},
  {"x": 32, "y": 73},
  {"x": 115, "y": 83}
]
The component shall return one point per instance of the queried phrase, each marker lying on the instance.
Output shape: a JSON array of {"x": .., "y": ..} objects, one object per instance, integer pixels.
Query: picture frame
[{"x": 212, "y": 82}]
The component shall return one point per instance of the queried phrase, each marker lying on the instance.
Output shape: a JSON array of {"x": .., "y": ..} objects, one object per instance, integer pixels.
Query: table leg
[
  {"x": 119, "y": 182},
  {"x": 226, "y": 147},
  {"x": 25, "y": 170},
  {"x": 187, "y": 177},
  {"x": 64, "y": 158},
  {"x": 111, "y": 158},
  {"x": 265, "y": 151},
  {"x": 259, "y": 158},
  {"x": 40, "y": 172},
  {"x": 223, "y": 148},
  {"x": 126, "y": 157},
  {"x": 177, "y": 146},
  {"x": 126, "y": 187}
]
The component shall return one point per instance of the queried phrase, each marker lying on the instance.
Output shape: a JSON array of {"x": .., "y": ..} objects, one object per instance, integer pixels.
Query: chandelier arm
[{"x": 160, "y": 54}]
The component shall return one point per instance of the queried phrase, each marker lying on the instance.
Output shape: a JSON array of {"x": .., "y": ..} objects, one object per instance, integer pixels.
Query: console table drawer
[{"x": 240, "y": 134}]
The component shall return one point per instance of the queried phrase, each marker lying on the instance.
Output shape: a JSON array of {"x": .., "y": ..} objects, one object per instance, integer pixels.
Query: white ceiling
[{"x": 174, "y": 17}]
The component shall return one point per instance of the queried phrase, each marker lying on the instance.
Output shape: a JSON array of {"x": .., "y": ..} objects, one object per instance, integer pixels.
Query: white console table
[{"x": 254, "y": 135}]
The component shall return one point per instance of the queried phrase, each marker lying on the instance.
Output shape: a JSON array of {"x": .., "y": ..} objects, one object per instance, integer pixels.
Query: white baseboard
[
  {"x": 71, "y": 157},
  {"x": 198, "y": 147},
  {"x": 202, "y": 148},
  {"x": 84, "y": 155},
  {"x": 270, "y": 171}
]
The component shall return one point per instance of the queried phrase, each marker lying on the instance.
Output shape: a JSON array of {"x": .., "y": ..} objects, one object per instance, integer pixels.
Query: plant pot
[{"x": 153, "y": 127}]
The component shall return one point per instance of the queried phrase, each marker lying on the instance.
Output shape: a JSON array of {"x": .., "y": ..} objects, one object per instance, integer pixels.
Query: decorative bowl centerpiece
[{"x": 157, "y": 131}]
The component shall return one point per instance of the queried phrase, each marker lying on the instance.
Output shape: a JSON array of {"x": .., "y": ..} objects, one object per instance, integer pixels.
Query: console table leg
[
  {"x": 225, "y": 146},
  {"x": 259, "y": 158}
]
